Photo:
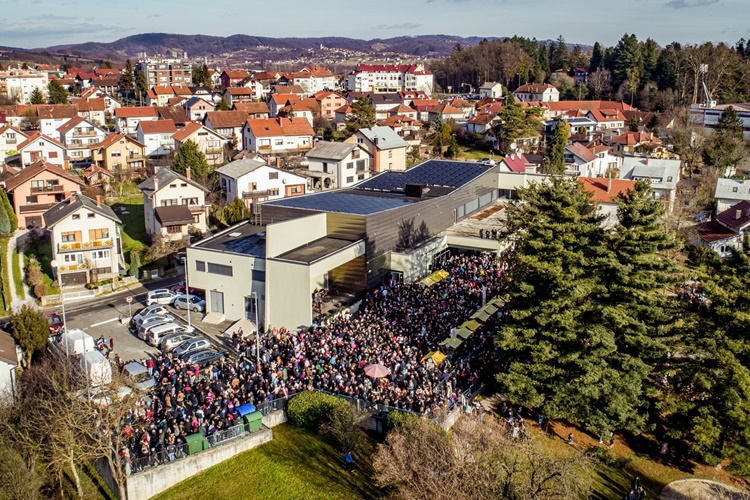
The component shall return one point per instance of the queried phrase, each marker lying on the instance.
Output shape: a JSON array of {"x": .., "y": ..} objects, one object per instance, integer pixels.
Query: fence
[{"x": 169, "y": 454}]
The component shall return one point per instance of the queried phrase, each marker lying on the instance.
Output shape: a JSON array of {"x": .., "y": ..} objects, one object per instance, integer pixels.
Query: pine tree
[
  {"x": 236, "y": 212},
  {"x": 726, "y": 149},
  {"x": 57, "y": 93},
  {"x": 135, "y": 263},
  {"x": 190, "y": 156},
  {"x": 36, "y": 97},
  {"x": 223, "y": 105},
  {"x": 5, "y": 223},
  {"x": 597, "y": 58},
  {"x": 559, "y": 56},
  {"x": 141, "y": 84},
  {"x": 126, "y": 79},
  {"x": 363, "y": 115},
  {"x": 555, "y": 161},
  {"x": 31, "y": 331},
  {"x": 5, "y": 202}
]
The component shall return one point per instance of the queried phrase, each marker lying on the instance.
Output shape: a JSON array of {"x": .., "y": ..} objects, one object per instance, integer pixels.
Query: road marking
[{"x": 104, "y": 322}]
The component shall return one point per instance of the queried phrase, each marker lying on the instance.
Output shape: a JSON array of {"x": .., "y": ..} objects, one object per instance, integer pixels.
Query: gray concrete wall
[
  {"x": 274, "y": 418},
  {"x": 151, "y": 482}
]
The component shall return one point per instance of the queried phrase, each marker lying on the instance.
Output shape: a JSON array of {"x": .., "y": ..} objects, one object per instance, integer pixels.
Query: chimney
[
  {"x": 609, "y": 184},
  {"x": 737, "y": 214},
  {"x": 187, "y": 173},
  {"x": 98, "y": 200},
  {"x": 529, "y": 169},
  {"x": 278, "y": 162},
  {"x": 646, "y": 161},
  {"x": 156, "y": 184}
]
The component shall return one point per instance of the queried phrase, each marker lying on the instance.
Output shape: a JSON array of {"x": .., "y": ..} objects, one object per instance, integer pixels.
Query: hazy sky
[{"x": 42, "y": 23}]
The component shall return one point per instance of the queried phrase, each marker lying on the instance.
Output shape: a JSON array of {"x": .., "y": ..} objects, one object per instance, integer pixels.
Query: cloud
[
  {"x": 55, "y": 28},
  {"x": 399, "y": 26},
  {"x": 686, "y": 4}
]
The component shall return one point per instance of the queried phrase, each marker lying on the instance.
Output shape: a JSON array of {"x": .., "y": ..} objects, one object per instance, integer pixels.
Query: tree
[
  {"x": 600, "y": 83},
  {"x": 141, "y": 84},
  {"x": 578, "y": 59},
  {"x": 555, "y": 161},
  {"x": 514, "y": 122},
  {"x": 5, "y": 202},
  {"x": 628, "y": 61},
  {"x": 135, "y": 263},
  {"x": 688, "y": 139},
  {"x": 57, "y": 93},
  {"x": 236, "y": 212},
  {"x": 30, "y": 120},
  {"x": 726, "y": 148},
  {"x": 597, "y": 58},
  {"x": 127, "y": 77},
  {"x": 223, "y": 105},
  {"x": 6, "y": 227},
  {"x": 31, "y": 331},
  {"x": 363, "y": 115},
  {"x": 37, "y": 97},
  {"x": 558, "y": 57},
  {"x": 189, "y": 156}
]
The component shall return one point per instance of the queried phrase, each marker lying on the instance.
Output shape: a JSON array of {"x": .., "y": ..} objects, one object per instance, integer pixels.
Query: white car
[
  {"x": 161, "y": 296},
  {"x": 196, "y": 303},
  {"x": 155, "y": 309}
]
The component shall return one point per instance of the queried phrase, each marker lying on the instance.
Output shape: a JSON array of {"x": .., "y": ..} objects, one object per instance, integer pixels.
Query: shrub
[
  {"x": 40, "y": 290},
  {"x": 34, "y": 276},
  {"x": 311, "y": 409},
  {"x": 605, "y": 457},
  {"x": 396, "y": 418}
]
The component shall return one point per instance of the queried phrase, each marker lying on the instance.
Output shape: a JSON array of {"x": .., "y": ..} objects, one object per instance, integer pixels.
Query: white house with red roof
[
  {"x": 543, "y": 92},
  {"x": 41, "y": 147},
  {"x": 580, "y": 161},
  {"x": 157, "y": 136},
  {"x": 209, "y": 142},
  {"x": 727, "y": 232},
  {"x": 254, "y": 181},
  {"x": 54, "y": 116},
  {"x": 78, "y": 135},
  {"x": 127, "y": 119},
  {"x": 604, "y": 190},
  {"x": 315, "y": 79},
  {"x": 10, "y": 138},
  {"x": 607, "y": 119},
  {"x": 277, "y": 135},
  {"x": 516, "y": 163},
  {"x": 390, "y": 78}
]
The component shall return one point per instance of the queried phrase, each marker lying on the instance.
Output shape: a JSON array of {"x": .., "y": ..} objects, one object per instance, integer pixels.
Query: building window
[
  {"x": 68, "y": 237},
  {"x": 273, "y": 192},
  {"x": 278, "y": 142},
  {"x": 76, "y": 216},
  {"x": 295, "y": 190},
  {"x": 100, "y": 255},
  {"x": 174, "y": 229},
  {"x": 350, "y": 165},
  {"x": 190, "y": 201},
  {"x": 390, "y": 154},
  {"x": 90, "y": 215},
  {"x": 98, "y": 234},
  {"x": 273, "y": 175},
  {"x": 349, "y": 179},
  {"x": 73, "y": 258},
  {"x": 53, "y": 154},
  {"x": 200, "y": 265},
  {"x": 219, "y": 269},
  {"x": 30, "y": 200}
]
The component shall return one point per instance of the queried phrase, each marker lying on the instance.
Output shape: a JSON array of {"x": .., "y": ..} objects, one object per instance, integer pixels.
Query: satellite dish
[
  {"x": 513, "y": 146},
  {"x": 283, "y": 181}
]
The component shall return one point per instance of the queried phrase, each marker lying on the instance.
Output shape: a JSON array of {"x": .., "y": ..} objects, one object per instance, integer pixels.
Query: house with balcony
[
  {"x": 120, "y": 155},
  {"x": 277, "y": 135},
  {"x": 227, "y": 124},
  {"x": 10, "y": 138},
  {"x": 254, "y": 181},
  {"x": 253, "y": 109},
  {"x": 54, "y": 116},
  {"x": 329, "y": 102},
  {"x": 386, "y": 149},
  {"x": 78, "y": 135},
  {"x": 173, "y": 204},
  {"x": 85, "y": 240},
  {"x": 231, "y": 77},
  {"x": 196, "y": 108},
  {"x": 209, "y": 142},
  {"x": 238, "y": 94},
  {"x": 315, "y": 79},
  {"x": 157, "y": 137},
  {"x": 38, "y": 147},
  {"x": 93, "y": 109},
  {"x": 337, "y": 164},
  {"x": 37, "y": 188},
  {"x": 127, "y": 119}
]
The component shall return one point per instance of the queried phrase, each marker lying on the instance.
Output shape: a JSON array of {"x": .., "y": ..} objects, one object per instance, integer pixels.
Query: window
[
  {"x": 184, "y": 184},
  {"x": 219, "y": 269},
  {"x": 278, "y": 142},
  {"x": 100, "y": 255},
  {"x": 53, "y": 154},
  {"x": 69, "y": 237},
  {"x": 76, "y": 216},
  {"x": 174, "y": 229},
  {"x": 734, "y": 189},
  {"x": 350, "y": 179},
  {"x": 273, "y": 192},
  {"x": 116, "y": 153},
  {"x": 295, "y": 190},
  {"x": 390, "y": 154},
  {"x": 190, "y": 201},
  {"x": 98, "y": 234},
  {"x": 350, "y": 165},
  {"x": 73, "y": 258},
  {"x": 30, "y": 200},
  {"x": 173, "y": 185},
  {"x": 90, "y": 215},
  {"x": 273, "y": 175},
  {"x": 200, "y": 265}
]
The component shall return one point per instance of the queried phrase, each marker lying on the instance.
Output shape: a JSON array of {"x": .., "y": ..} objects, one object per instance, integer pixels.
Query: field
[{"x": 133, "y": 224}]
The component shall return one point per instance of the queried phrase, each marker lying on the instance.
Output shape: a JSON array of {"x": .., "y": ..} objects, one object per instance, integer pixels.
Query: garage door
[{"x": 74, "y": 279}]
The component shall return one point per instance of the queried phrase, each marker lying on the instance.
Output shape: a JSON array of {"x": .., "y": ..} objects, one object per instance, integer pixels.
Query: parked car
[
  {"x": 161, "y": 296},
  {"x": 204, "y": 357},
  {"x": 150, "y": 310},
  {"x": 138, "y": 375},
  {"x": 156, "y": 335},
  {"x": 196, "y": 303},
  {"x": 56, "y": 324},
  {"x": 192, "y": 345},
  {"x": 143, "y": 331},
  {"x": 151, "y": 318},
  {"x": 172, "y": 341},
  {"x": 179, "y": 288}
]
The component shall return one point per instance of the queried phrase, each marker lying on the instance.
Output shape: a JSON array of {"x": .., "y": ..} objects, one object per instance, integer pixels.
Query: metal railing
[{"x": 47, "y": 189}]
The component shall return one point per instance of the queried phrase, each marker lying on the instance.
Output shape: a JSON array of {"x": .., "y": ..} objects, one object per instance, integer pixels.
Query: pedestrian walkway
[{"x": 16, "y": 301}]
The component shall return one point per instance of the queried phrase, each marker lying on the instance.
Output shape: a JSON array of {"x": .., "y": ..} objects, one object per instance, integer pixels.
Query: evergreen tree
[
  {"x": 5, "y": 224},
  {"x": 5, "y": 202},
  {"x": 31, "y": 331},
  {"x": 223, "y": 105},
  {"x": 57, "y": 93},
  {"x": 190, "y": 156},
  {"x": 726, "y": 149},
  {"x": 558, "y": 57},
  {"x": 555, "y": 161},
  {"x": 577, "y": 58},
  {"x": 651, "y": 53},
  {"x": 597, "y": 58},
  {"x": 628, "y": 60},
  {"x": 514, "y": 122},
  {"x": 141, "y": 85},
  {"x": 36, "y": 97},
  {"x": 135, "y": 263},
  {"x": 236, "y": 212},
  {"x": 127, "y": 77},
  {"x": 363, "y": 115}
]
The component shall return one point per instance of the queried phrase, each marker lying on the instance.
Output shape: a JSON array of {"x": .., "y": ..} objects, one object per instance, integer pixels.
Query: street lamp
[
  {"x": 187, "y": 289},
  {"x": 257, "y": 331},
  {"x": 62, "y": 301}
]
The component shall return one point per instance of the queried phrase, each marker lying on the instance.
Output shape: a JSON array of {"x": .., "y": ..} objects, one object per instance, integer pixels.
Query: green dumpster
[
  {"x": 254, "y": 421},
  {"x": 195, "y": 443}
]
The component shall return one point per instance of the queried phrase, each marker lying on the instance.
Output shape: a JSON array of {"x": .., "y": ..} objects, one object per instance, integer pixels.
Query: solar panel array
[
  {"x": 342, "y": 202},
  {"x": 432, "y": 172}
]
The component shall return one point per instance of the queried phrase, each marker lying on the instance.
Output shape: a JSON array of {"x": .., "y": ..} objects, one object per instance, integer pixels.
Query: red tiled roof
[
  {"x": 516, "y": 163},
  {"x": 186, "y": 131},
  {"x": 634, "y": 138},
  {"x": 158, "y": 127},
  {"x": 533, "y": 88},
  {"x": 252, "y": 108},
  {"x": 581, "y": 151},
  {"x": 93, "y": 104},
  {"x": 272, "y": 127},
  {"x": 314, "y": 72},
  {"x": 56, "y": 111},
  {"x": 445, "y": 109},
  {"x": 399, "y": 121},
  {"x": 607, "y": 115},
  {"x": 37, "y": 135},
  {"x": 729, "y": 217},
  {"x": 587, "y": 105},
  {"x": 35, "y": 169},
  {"x": 714, "y": 231},
  {"x": 393, "y": 68},
  {"x": 603, "y": 189},
  {"x": 237, "y": 91},
  {"x": 135, "y": 112},
  {"x": 226, "y": 119},
  {"x": 236, "y": 74}
]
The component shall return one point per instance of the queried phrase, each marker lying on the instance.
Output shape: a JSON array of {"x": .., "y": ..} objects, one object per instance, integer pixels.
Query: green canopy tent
[
  {"x": 464, "y": 333},
  {"x": 451, "y": 342}
]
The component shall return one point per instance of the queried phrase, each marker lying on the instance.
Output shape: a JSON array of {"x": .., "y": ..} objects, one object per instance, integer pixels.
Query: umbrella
[{"x": 376, "y": 370}]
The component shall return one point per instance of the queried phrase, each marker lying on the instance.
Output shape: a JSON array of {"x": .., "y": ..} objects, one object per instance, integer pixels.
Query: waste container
[
  {"x": 244, "y": 410},
  {"x": 195, "y": 443},
  {"x": 254, "y": 421}
]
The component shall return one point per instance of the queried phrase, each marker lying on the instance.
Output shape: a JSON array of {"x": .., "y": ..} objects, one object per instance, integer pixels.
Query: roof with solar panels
[{"x": 389, "y": 190}]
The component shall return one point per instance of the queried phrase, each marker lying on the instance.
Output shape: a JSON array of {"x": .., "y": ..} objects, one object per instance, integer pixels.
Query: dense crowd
[{"x": 397, "y": 324}]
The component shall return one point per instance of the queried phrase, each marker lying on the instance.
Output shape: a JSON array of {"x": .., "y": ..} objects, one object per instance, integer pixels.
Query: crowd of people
[{"x": 396, "y": 326}]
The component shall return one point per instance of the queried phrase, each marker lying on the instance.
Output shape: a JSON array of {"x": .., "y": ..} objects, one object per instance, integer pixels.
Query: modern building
[
  {"x": 390, "y": 78},
  {"x": 165, "y": 71}
]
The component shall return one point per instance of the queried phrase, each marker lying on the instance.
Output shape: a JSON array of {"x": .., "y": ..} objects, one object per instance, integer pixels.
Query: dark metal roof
[
  {"x": 175, "y": 215},
  {"x": 347, "y": 202},
  {"x": 315, "y": 250},
  {"x": 243, "y": 238},
  {"x": 67, "y": 207},
  {"x": 432, "y": 173}
]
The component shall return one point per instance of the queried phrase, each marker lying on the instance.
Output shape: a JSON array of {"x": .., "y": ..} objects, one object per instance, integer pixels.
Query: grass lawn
[
  {"x": 296, "y": 465},
  {"x": 469, "y": 153},
  {"x": 133, "y": 224},
  {"x": 44, "y": 255},
  {"x": 17, "y": 274},
  {"x": 5, "y": 274}
]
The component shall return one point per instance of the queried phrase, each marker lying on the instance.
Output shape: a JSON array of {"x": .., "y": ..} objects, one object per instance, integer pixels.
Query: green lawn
[
  {"x": 469, "y": 153},
  {"x": 296, "y": 465},
  {"x": 133, "y": 224},
  {"x": 4, "y": 274},
  {"x": 17, "y": 274},
  {"x": 44, "y": 255}
]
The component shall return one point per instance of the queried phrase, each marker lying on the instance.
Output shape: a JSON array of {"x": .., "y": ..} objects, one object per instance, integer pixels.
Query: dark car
[
  {"x": 204, "y": 357},
  {"x": 56, "y": 324}
]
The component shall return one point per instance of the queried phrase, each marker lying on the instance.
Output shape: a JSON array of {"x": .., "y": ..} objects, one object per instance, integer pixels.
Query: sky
[{"x": 44, "y": 23}]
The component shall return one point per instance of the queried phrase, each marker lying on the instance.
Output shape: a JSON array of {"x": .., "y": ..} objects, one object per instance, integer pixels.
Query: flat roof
[
  {"x": 346, "y": 202},
  {"x": 245, "y": 239},
  {"x": 452, "y": 174},
  {"x": 316, "y": 250}
]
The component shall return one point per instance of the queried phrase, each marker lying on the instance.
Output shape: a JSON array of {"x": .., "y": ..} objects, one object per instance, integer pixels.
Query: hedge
[{"x": 310, "y": 409}]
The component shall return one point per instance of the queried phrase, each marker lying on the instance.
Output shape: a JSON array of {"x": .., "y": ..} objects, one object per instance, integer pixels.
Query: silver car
[
  {"x": 150, "y": 311},
  {"x": 192, "y": 345},
  {"x": 172, "y": 342}
]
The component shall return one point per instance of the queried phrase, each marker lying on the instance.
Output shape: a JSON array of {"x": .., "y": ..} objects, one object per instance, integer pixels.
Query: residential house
[
  {"x": 254, "y": 181},
  {"x": 127, "y": 119},
  {"x": 278, "y": 101},
  {"x": 227, "y": 124},
  {"x": 661, "y": 175},
  {"x": 580, "y": 161},
  {"x": 315, "y": 79},
  {"x": 340, "y": 115},
  {"x": 173, "y": 205},
  {"x": 209, "y": 142},
  {"x": 444, "y": 112},
  {"x": 97, "y": 176},
  {"x": 404, "y": 126},
  {"x": 94, "y": 110},
  {"x": 41, "y": 147},
  {"x": 329, "y": 102},
  {"x": 10, "y": 356},
  {"x": 253, "y": 109},
  {"x": 196, "y": 108},
  {"x": 729, "y": 192},
  {"x": 37, "y": 188},
  {"x": 299, "y": 109},
  {"x": 78, "y": 135},
  {"x": 295, "y": 90},
  {"x": 466, "y": 107},
  {"x": 403, "y": 110},
  {"x": 338, "y": 164},
  {"x": 634, "y": 143},
  {"x": 384, "y": 103},
  {"x": 386, "y": 149},
  {"x": 727, "y": 232},
  {"x": 54, "y": 116},
  {"x": 422, "y": 107},
  {"x": 109, "y": 84},
  {"x": 607, "y": 118},
  {"x": 543, "y": 92},
  {"x": 231, "y": 78},
  {"x": 257, "y": 88},
  {"x": 85, "y": 240},
  {"x": 277, "y": 135},
  {"x": 482, "y": 122},
  {"x": 390, "y": 78},
  {"x": 492, "y": 90},
  {"x": 407, "y": 96},
  {"x": 604, "y": 191},
  {"x": 121, "y": 155},
  {"x": 238, "y": 94},
  {"x": 10, "y": 138},
  {"x": 605, "y": 161},
  {"x": 157, "y": 137},
  {"x": 516, "y": 163},
  {"x": 175, "y": 113}
]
